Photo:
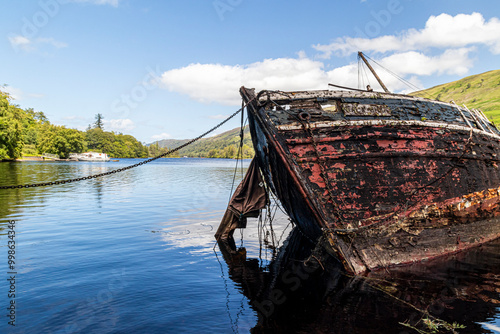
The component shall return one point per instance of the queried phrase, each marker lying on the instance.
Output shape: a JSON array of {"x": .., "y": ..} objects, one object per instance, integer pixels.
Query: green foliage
[
  {"x": 60, "y": 140},
  {"x": 481, "y": 91},
  {"x": 31, "y": 124},
  {"x": 29, "y": 150},
  {"x": 434, "y": 326},
  {"x": 28, "y": 132},
  {"x": 130, "y": 146},
  {"x": 155, "y": 150},
  {"x": 11, "y": 128},
  {"x": 115, "y": 145},
  {"x": 98, "y": 122},
  {"x": 225, "y": 145}
]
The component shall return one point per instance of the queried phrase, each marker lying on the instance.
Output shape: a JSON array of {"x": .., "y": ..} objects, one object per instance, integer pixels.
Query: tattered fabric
[{"x": 250, "y": 196}]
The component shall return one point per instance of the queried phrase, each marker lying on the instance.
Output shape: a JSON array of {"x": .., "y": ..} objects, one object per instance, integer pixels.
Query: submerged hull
[{"x": 379, "y": 179}]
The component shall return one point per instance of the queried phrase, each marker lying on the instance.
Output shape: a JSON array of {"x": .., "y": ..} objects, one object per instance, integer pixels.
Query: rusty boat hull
[{"x": 379, "y": 179}]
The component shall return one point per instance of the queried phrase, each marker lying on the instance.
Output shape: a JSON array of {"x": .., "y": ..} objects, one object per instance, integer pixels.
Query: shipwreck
[{"x": 377, "y": 179}]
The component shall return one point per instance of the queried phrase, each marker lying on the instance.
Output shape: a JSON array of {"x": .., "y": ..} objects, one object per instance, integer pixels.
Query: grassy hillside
[
  {"x": 224, "y": 145},
  {"x": 481, "y": 91}
]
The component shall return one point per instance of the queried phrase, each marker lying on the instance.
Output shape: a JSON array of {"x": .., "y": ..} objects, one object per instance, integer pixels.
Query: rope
[
  {"x": 239, "y": 153},
  {"x": 44, "y": 184},
  {"x": 406, "y": 82}
]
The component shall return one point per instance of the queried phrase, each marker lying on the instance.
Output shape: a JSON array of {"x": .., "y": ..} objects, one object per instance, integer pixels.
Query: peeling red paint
[{"x": 385, "y": 176}]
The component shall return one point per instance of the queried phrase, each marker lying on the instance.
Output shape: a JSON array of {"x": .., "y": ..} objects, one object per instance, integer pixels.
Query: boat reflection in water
[{"x": 304, "y": 291}]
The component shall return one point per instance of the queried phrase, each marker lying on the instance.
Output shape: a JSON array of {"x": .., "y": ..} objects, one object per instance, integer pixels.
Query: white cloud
[
  {"x": 25, "y": 44},
  {"x": 442, "y": 31},
  {"x": 452, "y": 61},
  {"x": 458, "y": 31},
  {"x": 444, "y": 46},
  {"x": 52, "y": 41},
  {"x": 18, "y": 41},
  {"x": 119, "y": 125},
  {"x": 161, "y": 136},
  {"x": 347, "y": 76},
  {"x": 17, "y": 94},
  {"x": 220, "y": 83},
  {"x": 413, "y": 64}
]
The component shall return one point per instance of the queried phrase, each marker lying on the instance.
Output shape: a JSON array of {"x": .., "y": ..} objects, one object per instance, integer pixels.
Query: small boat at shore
[
  {"x": 90, "y": 156},
  {"x": 377, "y": 179}
]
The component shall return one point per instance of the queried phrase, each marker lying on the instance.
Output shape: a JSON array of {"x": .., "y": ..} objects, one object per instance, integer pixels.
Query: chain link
[{"x": 44, "y": 184}]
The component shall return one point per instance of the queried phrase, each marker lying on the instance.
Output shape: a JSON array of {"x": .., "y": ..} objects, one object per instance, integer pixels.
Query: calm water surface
[{"x": 134, "y": 252}]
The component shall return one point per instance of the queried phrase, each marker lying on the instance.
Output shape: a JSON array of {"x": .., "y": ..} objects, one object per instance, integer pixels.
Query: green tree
[
  {"x": 115, "y": 145},
  {"x": 60, "y": 140},
  {"x": 39, "y": 116},
  {"x": 31, "y": 124},
  {"x": 95, "y": 138},
  {"x": 229, "y": 152},
  {"x": 98, "y": 121},
  {"x": 213, "y": 153},
  {"x": 11, "y": 128},
  {"x": 248, "y": 151}
]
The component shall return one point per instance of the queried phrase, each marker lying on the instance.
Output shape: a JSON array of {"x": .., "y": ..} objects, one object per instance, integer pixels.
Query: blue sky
[{"x": 172, "y": 69}]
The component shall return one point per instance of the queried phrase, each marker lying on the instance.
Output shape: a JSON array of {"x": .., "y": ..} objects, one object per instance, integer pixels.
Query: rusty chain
[{"x": 44, "y": 184}]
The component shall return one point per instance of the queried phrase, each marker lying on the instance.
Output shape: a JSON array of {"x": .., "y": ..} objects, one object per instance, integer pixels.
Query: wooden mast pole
[{"x": 362, "y": 56}]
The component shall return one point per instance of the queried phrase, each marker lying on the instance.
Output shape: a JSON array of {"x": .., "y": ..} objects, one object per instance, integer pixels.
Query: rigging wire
[
  {"x": 359, "y": 74},
  {"x": 403, "y": 80},
  {"x": 362, "y": 73},
  {"x": 408, "y": 83},
  {"x": 240, "y": 152},
  {"x": 366, "y": 76}
]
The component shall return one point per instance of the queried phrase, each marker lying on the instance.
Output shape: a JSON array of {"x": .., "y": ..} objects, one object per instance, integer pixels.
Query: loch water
[{"x": 134, "y": 252}]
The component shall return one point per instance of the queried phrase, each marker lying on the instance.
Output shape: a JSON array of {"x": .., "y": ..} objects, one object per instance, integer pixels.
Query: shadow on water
[{"x": 304, "y": 291}]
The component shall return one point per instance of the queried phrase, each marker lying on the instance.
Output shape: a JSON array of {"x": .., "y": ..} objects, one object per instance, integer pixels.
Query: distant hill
[
  {"x": 224, "y": 145},
  {"x": 481, "y": 91}
]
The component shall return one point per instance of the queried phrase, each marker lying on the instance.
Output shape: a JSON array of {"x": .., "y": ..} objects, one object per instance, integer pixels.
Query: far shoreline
[{"x": 42, "y": 159}]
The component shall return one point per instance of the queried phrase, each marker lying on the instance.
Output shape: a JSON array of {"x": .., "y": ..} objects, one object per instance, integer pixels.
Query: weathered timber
[{"x": 364, "y": 168}]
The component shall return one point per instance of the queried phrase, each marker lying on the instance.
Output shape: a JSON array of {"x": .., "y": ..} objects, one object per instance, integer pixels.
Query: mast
[{"x": 362, "y": 56}]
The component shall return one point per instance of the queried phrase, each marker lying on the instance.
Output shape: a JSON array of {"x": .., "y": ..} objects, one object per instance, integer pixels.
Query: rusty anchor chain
[{"x": 44, "y": 184}]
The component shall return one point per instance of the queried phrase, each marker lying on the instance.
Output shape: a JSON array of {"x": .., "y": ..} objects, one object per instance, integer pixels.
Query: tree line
[
  {"x": 225, "y": 145},
  {"x": 28, "y": 132}
]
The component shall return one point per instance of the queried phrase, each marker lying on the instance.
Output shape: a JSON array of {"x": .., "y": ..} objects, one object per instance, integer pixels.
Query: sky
[{"x": 172, "y": 69}]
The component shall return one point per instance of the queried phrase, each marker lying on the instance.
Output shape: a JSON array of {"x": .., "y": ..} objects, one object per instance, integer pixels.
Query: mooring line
[{"x": 44, "y": 184}]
